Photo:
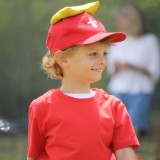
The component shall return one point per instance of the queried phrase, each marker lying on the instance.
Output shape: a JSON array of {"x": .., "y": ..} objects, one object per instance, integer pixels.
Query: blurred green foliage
[{"x": 23, "y": 30}]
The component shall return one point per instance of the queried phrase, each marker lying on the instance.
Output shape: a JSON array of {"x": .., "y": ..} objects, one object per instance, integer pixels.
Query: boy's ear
[{"x": 60, "y": 58}]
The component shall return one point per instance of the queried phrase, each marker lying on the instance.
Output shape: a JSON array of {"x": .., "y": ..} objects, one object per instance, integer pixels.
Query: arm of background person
[{"x": 123, "y": 65}]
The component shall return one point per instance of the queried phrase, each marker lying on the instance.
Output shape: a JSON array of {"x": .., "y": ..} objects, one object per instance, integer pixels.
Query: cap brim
[{"x": 115, "y": 37}]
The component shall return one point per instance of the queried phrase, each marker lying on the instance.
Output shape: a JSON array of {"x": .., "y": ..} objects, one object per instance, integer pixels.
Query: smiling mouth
[{"x": 97, "y": 70}]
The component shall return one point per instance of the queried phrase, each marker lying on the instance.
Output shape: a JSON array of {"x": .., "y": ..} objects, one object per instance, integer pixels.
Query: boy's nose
[{"x": 103, "y": 60}]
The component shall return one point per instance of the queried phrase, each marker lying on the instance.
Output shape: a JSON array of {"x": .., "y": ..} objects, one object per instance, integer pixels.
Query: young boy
[{"x": 76, "y": 122}]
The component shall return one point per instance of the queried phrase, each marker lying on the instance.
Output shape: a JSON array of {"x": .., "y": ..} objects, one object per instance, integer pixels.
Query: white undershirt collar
[{"x": 81, "y": 95}]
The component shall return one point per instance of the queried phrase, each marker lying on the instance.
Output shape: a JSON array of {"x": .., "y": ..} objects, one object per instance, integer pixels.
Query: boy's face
[{"x": 87, "y": 63}]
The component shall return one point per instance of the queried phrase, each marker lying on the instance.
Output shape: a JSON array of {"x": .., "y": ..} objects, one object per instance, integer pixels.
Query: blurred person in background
[{"x": 133, "y": 65}]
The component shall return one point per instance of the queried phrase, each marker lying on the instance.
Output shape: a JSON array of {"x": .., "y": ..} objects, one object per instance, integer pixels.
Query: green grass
[
  {"x": 13, "y": 148},
  {"x": 147, "y": 148}
]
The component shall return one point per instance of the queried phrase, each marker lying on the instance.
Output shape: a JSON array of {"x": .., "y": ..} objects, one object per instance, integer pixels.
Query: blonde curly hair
[{"x": 51, "y": 67}]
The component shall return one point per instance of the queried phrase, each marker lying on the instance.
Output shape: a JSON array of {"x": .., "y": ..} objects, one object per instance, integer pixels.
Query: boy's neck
[{"x": 75, "y": 89}]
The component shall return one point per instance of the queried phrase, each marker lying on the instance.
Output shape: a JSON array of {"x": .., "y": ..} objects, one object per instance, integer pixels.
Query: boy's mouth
[{"x": 97, "y": 69}]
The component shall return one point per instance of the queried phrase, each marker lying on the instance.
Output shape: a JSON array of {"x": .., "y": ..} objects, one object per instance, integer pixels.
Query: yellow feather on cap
[{"x": 74, "y": 10}]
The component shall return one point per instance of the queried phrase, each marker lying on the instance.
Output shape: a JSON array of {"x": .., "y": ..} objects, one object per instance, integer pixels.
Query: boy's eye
[
  {"x": 93, "y": 54},
  {"x": 105, "y": 53},
  {"x": 96, "y": 54}
]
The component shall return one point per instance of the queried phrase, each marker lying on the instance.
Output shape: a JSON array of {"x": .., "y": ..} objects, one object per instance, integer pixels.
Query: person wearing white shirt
[{"x": 134, "y": 66}]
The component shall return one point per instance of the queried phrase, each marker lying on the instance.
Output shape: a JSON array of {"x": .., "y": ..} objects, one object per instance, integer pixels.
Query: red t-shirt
[{"x": 66, "y": 128}]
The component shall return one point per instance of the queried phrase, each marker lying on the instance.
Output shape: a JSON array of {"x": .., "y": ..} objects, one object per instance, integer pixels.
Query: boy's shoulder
[
  {"x": 46, "y": 96},
  {"x": 44, "y": 99},
  {"x": 105, "y": 93},
  {"x": 108, "y": 97}
]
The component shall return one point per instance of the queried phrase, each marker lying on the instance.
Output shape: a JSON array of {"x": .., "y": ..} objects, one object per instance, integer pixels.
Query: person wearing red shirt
[{"x": 75, "y": 121}]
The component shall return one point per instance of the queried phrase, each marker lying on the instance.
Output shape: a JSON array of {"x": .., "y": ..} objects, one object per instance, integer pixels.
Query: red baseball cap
[{"x": 80, "y": 29}]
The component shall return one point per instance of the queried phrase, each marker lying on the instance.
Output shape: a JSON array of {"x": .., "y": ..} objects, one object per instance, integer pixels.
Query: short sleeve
[
  {"x": 35, "y": 136},
  {"x": 124, "y": 134}
]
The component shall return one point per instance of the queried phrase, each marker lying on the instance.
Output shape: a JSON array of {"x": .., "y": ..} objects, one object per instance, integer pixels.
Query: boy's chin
[{"x": 96, "y": 80}]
